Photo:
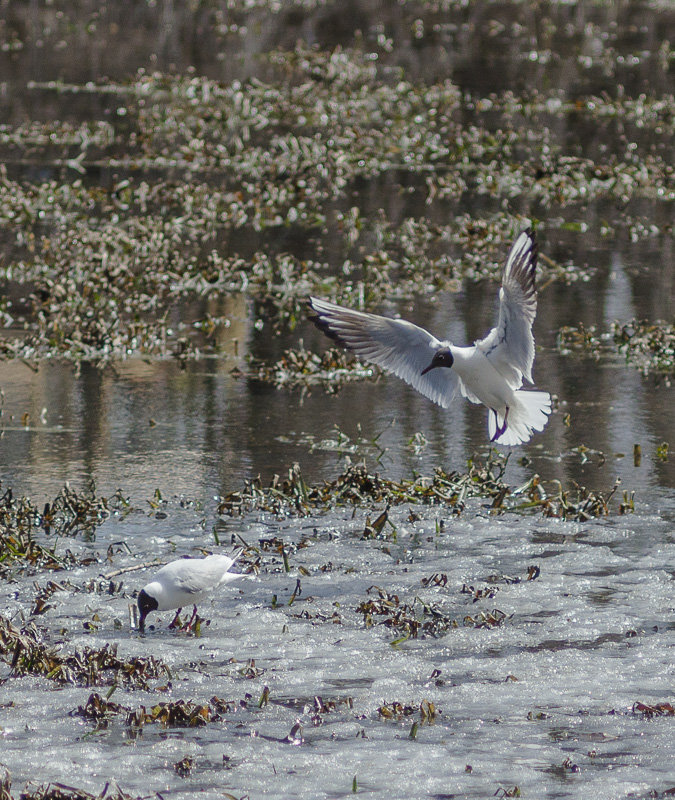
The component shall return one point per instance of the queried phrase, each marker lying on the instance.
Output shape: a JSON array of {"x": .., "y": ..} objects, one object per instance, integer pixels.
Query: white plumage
[
  {"x": 490, "y": 371},
  {"x": 184, "y": 582}
]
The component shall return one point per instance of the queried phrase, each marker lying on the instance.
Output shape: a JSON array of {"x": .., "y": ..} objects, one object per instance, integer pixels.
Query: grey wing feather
[
  {"x": 510, "y": 344},
  {"x": 393, "y": 344},
  {"x": 194, "y": 576},
  {"x": 191, "y": 583},
  {"x": 192, "y": 586}
]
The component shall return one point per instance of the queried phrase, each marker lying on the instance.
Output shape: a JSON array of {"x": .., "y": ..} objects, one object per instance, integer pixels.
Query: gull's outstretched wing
[
  {"x": 510, "y": 344},
  {"x": 393, "y": 344}
]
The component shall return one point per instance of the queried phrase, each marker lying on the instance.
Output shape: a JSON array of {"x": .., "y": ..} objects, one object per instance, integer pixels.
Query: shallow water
[
  {"x": 199, "y": 429},
  {"x": 534, "y": 685}
]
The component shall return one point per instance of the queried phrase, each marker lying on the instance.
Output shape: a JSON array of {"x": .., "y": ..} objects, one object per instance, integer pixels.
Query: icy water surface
[
  {"x": 158, "y": 184},
  {"x": 532, "y": 682}
]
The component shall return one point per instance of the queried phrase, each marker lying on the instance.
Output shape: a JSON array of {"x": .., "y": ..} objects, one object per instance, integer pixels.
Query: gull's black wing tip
[{"x": 322, "y": 320}]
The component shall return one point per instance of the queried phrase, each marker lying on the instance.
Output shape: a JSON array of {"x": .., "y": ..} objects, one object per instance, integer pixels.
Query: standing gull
[
  {"x": 490, "y": 371},
  {"x": 182, "y": 582}
]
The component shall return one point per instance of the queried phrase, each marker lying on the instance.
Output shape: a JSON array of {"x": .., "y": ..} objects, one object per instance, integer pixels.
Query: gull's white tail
[
  {"x": 517, "y": 424},
  {"x": 228, "y": 576}
]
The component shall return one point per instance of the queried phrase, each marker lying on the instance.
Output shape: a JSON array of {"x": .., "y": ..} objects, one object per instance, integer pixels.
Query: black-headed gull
[
  {"x": 490, "y": 371},
  {"x": 185, "y": 581}
]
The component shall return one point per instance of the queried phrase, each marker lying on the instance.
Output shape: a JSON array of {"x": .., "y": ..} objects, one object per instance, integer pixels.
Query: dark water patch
[{"x": 350, "y": 683}]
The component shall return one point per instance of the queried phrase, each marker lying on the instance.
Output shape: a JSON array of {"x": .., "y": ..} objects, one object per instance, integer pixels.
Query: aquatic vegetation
[
  {"x": 101, "y": 273},
  {"x": 407, "y": 620},
  {"x": 577, "y": 503},
  {"x": 40, "y": 603},
  {"x": 397, "y": 711},
  {"x": 18, "y": 521},
  {"x": 485, "y": 619},
  {"x": 325, "y": 705},
  {"x": 178, "y": 714},
  {"x": 299, "y": 367},
  {"x": 71, "y": 513},
  {"x": 580, "y": 340},
  {"x": 418, "y": 619},
  {"x": 28, "y": 654},
  {"x": 59, "y": 791},
  {"x": 649, "y": 346},
  {"x": 99, "y": 710},
  {"x": 654, "y": 710},
  {"x": 357, "y": 486},
  {"x": 185, "y": 766}
]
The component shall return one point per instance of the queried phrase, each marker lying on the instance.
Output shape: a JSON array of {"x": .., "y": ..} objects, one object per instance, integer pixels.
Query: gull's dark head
[
  {"x": 442, "y": 358},
  {"x": 146, "y": 604}
]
